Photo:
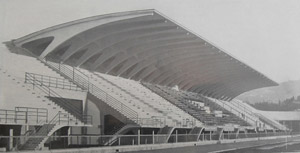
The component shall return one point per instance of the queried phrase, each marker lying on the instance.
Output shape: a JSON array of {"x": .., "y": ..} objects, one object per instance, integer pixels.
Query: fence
[{"x": 75, "y": 141}]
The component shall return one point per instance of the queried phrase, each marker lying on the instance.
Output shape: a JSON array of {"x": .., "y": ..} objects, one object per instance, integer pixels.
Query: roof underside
[{"x": 145, "y": 46}]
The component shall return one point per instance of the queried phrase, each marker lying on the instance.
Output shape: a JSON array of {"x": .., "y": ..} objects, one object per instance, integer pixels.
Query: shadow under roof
[{"x": 144, "y": 46}]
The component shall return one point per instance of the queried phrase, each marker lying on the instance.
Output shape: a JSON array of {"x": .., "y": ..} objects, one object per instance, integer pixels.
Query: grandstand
[{"x": 108, "y": 80}]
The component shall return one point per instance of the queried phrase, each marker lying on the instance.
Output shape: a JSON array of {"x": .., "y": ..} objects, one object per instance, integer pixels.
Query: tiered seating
[
  {"x": 18, "y": 65},
  {"x": 187, "y": 107},
  {"x": 190, "y": 102},
  {"x": 145, "y": 102},
  {"x": 228, "y": 117},
  {"x": 29, "y": 97}
]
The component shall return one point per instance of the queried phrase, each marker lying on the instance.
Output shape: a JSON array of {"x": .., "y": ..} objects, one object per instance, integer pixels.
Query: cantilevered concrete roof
[{"x": 145, "y": 46}]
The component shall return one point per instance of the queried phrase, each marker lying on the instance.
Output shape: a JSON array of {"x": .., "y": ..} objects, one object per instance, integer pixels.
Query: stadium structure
[{"x": 129, "y": 78}]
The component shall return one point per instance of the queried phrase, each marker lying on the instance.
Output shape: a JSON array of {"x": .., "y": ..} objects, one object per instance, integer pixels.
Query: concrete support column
[
  {"x": 69, "y": 133},
  {"x": 102, "y": 126},
  {"x": 11, "y": 139}
]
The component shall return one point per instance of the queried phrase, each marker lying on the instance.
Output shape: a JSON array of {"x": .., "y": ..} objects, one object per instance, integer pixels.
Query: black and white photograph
[{"x": 150, "y": 76}]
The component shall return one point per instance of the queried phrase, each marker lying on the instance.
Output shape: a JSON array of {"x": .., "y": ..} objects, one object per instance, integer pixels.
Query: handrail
[
  {"x": 62, "y": 69},
  {"x": 271, "y": 122},
  {"x": 243, "y": 107},
  {"x": 259, "y": 116},
  {"x": 38, "y": 112},
  {"x": 8, "y": 115},
  {"x": 155, "y": 121},
  {"x": 29, "y": 78},
  {"x": 55, "y": 82},
  {"x": 60, "y": 119},
  {"x": 238, "y": 111},
  {"x": 193, "y": 123},
  {"x": 84, "y": 83}
]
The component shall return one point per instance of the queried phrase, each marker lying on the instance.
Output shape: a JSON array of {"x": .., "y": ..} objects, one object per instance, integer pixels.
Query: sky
[{"x": 264, "y": 34}]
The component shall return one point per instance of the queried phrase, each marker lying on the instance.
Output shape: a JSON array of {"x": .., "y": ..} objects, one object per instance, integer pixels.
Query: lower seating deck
[{"x": 198, "y": 106}]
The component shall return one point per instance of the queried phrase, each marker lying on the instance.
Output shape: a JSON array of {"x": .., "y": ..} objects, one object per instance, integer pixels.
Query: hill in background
[{"x": 284, "y": 91}]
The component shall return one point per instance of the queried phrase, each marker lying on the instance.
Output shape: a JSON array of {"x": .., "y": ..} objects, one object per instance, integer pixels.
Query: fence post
[
  {"x": 11, "y": 139},
  {"x": 139, "y": 136},
  {"x": 152, "y": 137},
  {"x": 26, "y": 114},
  {"x": 50, "y": 142},
  {"x": 176, "y": 136},
  {"x": 6, "y": 116}
]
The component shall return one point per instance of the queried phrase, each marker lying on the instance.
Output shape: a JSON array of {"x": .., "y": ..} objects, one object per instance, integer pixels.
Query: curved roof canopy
[{"x": 144, "y": 46}]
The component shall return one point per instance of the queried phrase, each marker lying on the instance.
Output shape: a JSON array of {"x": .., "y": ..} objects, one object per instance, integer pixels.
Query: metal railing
[
  {"x": 175, "y": 102},
  {"x": 54, "y": 82},
  {"x": 75, "y": 141},
  {"x": 235, "y": 111},
  {"x": 82, "y": 81},
  {"x": 271, "y": 122},
  {"x": 24, "y": 115},
  {"x": 42, "y": 132},
  {"x": 8, "y": 116},
  {"x": 263, "y": 119},
  {"x": 154, "y": 121},
  {"x": 62, "y": 119},
  {"x": 37, "y": 114},
  {"x": 247, "y": 111},
  {"x": 30, "y": 78}
]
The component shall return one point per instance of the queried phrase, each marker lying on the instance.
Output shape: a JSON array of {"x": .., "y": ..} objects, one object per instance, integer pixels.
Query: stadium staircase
[
  {"x": 82, "y": 81},
  {"x": 37, "y": 139},
  {"x": 57, "y": 99},
  {"x": 154, "y": 117},
  {"x": 34, "y": 95}
]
